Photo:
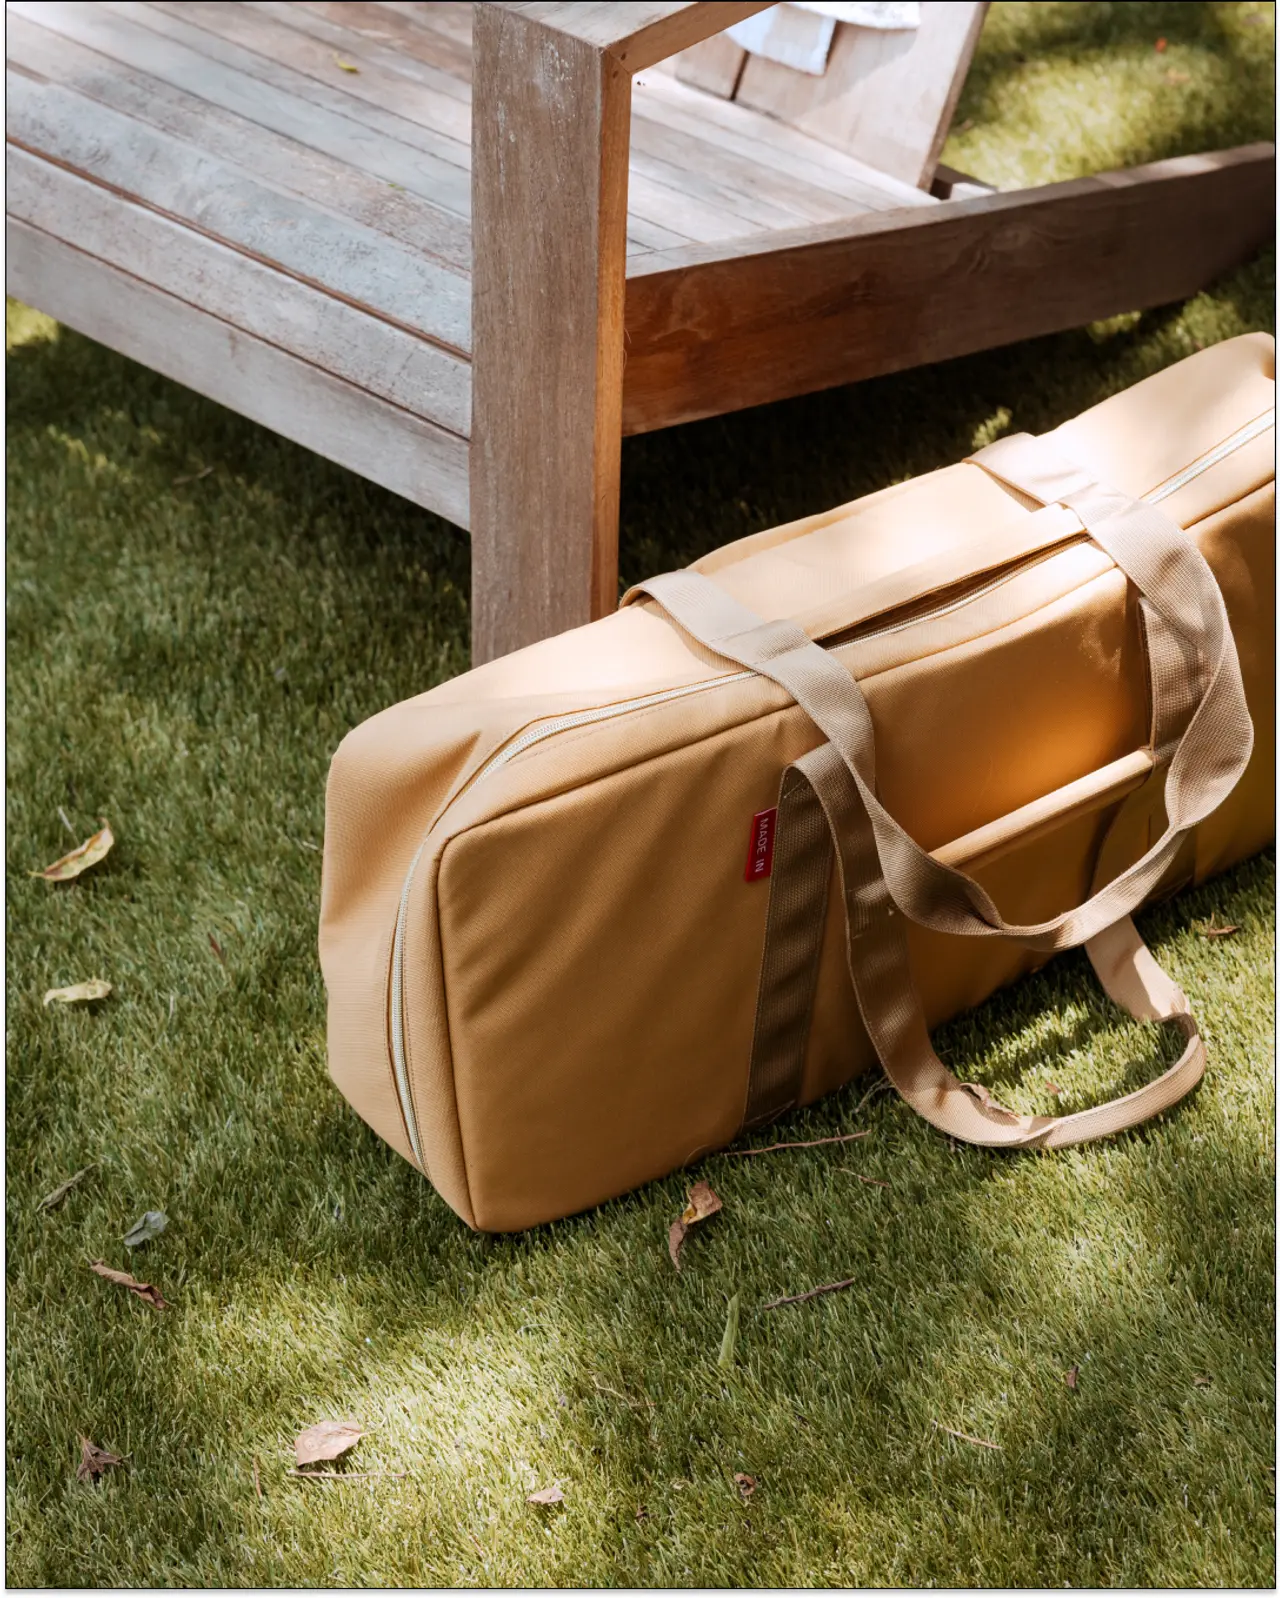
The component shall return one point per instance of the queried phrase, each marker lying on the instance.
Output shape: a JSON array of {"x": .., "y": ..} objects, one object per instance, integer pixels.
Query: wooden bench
[{"x": 291, "y": 208}]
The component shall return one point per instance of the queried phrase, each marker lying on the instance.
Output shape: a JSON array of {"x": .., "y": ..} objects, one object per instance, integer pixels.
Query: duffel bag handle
[
  {"x": 1193, "y": 665},
  {"x": 1194, "y": 671}
]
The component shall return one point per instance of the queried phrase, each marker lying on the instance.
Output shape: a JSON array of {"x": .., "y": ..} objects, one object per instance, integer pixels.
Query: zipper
[{"x": 542, "y": 730}]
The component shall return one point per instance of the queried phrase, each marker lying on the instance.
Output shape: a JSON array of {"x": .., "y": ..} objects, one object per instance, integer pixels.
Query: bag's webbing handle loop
[
  {"x": 1210, "y": 757},
  {"x": 876, "y": 950},
  {"x": 1195, "y": 672}
]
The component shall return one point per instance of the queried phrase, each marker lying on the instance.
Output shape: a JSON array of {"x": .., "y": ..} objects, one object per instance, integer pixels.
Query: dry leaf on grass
[
  {"x": 1072, "y": 1378},
  {"x": 702, "y": 1204},
  {"x": 327, "y": 1439},
  {"x": 217, "y": 948},
  {"x": 1203, "y": 1381},
  {"x": 746, "y": 1484},
  {"x": 1212, "y": 930},
  {"x": 1052, "y": 1087},
  {"x": 145, "y": 1228},
  {"x": 95, "y": 1461},
  {"x": 88, "y": 854},
  {"x": 144, "y": 1290},
  {"x": 546, "y": 1495},
  {"x": 52, "y": 1200},
  {"x": 78, "y": 993}
]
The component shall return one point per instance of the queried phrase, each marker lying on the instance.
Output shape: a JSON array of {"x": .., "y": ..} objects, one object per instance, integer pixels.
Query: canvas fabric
[{"x": 592, "y": 910}]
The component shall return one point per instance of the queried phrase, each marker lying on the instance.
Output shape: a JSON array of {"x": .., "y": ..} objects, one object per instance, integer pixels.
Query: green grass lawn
[{"x": 185, "y": 652}]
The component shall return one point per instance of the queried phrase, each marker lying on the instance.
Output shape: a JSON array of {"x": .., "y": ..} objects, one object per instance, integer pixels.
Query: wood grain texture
[
  {"x": 409, "y": 372},
  {"x": 714, "y": 66},
  {"x": 549, "y": 216},
  {"x": 782, "y": 151},
  {"x": 636, "y": 34},
  {"x": 401, "y": 452},
  {"x": 886, "y": 97},
  {"x": 708, "y": 332},
  {"x": 368, "y": 178},
  {"x": 336, "y": 254}
]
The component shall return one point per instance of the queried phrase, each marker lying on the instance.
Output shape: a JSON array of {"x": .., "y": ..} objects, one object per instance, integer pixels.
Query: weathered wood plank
[
  {"x": 714, "y": 66},
  {"x": 407, "y": 371},
  {"x": 886, "y": 96},
  {"x": 709, "y": 331},
  {"x": 429, "y": 35},
  {"x": 377, "y": 199},
  {"x": 338, "y": 255},
  {"x": 636, "y": 35},
  {"x": 307, "y": 41},
  {"x": 401, "y": 452},
  {"x": 239, "y": 36},
  {"x": 724, "y": 125},
  {"x": 549, "y": 207}
]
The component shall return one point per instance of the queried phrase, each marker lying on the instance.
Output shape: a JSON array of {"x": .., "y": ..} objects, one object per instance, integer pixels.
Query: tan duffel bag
[{"x": 591, "y": 910}]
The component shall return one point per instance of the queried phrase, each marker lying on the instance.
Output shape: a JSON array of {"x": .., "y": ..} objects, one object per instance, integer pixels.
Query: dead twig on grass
[
  {"x": 346, "y": 1475},
  {"x": 817, "y": 1143},
  {"x": 871, "y": 1181},
  {"x": 814, "y": 1292},
  {"x": 964, "y": 1437}
]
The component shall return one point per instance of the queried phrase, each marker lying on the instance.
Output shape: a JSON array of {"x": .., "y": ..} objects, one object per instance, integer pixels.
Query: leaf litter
[
  {"x": 327, "y": 1439},
  {"x": 814, "y": 1292},
  {"x": 51, "y": 1200},
  {"x": 146, "y": 1227},
  {"x": 545, "y": 1496},
  {"x": 78, "y": 993},
  {"x": 144, "y": 1290},
  {"x": 95, "y": 1461},
  {"x": 745, "y": 1484},
  {"x": 87, "y": 854},
  {"x": 703, "y": 1203}
]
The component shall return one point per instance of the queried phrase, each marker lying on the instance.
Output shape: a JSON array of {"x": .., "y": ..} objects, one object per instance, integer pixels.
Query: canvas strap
[{"x": 884, "y": 875}]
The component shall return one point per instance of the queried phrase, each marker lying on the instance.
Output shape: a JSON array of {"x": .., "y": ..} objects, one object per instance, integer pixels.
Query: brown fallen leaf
[
  {"x": 702, "y": 1204},
  {"x": 546, "y": 1495},
  {"x": 1202, "y": 1381},
  {"x": 217, "y": 948},
  {"x": 95, "y": 1461},
  {"x": 1072, "y": 1378},
  {"x": 1161, "y": 46},
  {"x": 52, "y": 1200},
  {"x": 642, "y": 1513},
  {"x": 345, "y": 65},
  {"x": 814, "y": 1292},
  {"x": 817, "y": 1143},
  {"x": 78, "y": 993},
  {"x": 80, "y": 859},
  {"x": 327, "y": 1439},
  {"x": 746, "y": 1484},
  {"x": 1052, "y": 1087},
  {"x": 144, "y": 1290},
  {"x": 1212, "y": 930}
]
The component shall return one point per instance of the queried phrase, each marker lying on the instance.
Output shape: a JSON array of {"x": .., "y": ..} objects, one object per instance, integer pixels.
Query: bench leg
[{"x": 550, "y": 133}]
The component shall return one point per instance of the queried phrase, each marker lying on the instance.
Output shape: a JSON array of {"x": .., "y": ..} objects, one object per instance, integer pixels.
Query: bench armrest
[{"x": 636, "y": 35}]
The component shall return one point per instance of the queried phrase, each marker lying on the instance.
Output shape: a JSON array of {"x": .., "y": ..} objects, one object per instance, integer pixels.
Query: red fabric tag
[{"x": 760, "y": 855}]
